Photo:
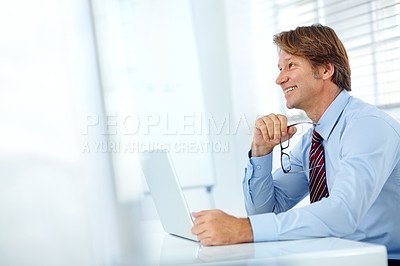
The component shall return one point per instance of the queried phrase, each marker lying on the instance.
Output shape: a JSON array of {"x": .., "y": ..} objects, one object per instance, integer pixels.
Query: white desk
[{"x": 164, "y": 249}]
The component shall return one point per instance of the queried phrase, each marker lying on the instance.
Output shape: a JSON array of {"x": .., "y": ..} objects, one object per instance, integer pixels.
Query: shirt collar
[{"x": 332, "y": 114}]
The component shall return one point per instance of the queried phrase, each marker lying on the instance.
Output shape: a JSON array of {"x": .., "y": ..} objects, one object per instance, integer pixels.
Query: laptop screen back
[{"x": 166, "y": 192}]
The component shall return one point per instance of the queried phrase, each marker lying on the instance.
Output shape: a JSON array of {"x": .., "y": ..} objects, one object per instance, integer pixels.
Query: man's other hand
[
  {"x": 268, "y": 132},
  {"x": 215, "y": 227}
]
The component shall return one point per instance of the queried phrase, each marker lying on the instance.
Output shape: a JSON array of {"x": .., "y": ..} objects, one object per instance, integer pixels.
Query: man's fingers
[
  {"x": 205, "y": 242},
  {"x": 198, "y": 221},
  {"x": 276, "y": 124},
  {"x": 202, "y": 235},
  {"x": 198, "y": 214},
  {"x": 198, "y": 230},
  {"x": 269, "y": 127},
  {"x": 272, "y": 127},
  {"x": 292, "y": 131},
  {"x": 260, "y": 125},
  {"x": 205, "y": 239},
  {"x": 283, "y": 121}
]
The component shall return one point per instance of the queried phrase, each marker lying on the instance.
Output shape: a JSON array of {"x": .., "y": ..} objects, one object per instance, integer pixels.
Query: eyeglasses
[{"x": 285, "y": 158}]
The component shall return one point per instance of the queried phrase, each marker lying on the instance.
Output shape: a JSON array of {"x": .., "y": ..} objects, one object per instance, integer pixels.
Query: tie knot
[{"x": 316, "y": 138}]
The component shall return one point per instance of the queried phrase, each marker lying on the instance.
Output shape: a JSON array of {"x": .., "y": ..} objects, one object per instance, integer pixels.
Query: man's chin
[{"x": 289, "y": 106}]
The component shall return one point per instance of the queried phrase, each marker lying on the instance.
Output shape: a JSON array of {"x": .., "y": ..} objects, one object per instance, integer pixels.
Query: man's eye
[{"x": 291, "y": 65}]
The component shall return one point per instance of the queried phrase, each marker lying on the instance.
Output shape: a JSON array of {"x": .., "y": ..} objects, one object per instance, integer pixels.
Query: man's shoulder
[
  {"x": 357, "y": 105},
  {"x": 360, "y": 110}
]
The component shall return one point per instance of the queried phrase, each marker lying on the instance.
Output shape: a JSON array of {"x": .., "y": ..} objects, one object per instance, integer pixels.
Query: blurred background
[{"x": 87, "y": 85}]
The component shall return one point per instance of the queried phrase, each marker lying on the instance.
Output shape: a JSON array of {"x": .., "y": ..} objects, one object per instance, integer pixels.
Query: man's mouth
[{"x": 290, "y": 89}]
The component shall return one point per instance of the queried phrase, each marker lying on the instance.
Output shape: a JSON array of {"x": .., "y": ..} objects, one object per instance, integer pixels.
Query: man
[{"x": 350, "y": 165}]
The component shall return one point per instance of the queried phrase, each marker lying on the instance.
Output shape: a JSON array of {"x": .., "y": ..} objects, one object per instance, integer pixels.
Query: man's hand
[
  {"x": 268, "y": 132},
  {"x": 214, "y": 227}
]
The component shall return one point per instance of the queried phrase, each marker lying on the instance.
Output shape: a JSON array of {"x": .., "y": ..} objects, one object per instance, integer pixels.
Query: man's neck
[{"x": 327, "y": 97}]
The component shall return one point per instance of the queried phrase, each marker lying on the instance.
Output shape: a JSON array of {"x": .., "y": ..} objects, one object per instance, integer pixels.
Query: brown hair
[{"x": 320, "y": 45}]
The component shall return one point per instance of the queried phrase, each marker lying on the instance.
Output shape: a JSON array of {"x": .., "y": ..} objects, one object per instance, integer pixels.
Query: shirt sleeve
[
  {"x": 364, "y": 165},
  {"x": 258, "y": 185},
  {"x": 264, "y": 192}
]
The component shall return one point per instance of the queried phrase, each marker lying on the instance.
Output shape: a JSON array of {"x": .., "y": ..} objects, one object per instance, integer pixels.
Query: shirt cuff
[
  {"x": 264, "y": 227},
  {"x": 261, "y": 165}
]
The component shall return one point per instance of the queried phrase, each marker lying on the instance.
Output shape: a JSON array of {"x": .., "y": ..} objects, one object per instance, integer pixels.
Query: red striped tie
[{"x": 318, "y": 188}]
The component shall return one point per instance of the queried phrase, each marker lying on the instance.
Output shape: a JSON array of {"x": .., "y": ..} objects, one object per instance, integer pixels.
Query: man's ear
[{"x": 327, "y": 71}]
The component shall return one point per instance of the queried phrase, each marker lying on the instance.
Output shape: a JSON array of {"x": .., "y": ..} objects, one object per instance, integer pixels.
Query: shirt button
[{"x": 258, "y": 167}]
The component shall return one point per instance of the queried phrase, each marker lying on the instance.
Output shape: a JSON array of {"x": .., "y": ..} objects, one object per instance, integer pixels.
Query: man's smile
[{"x": 290, "y": 89}]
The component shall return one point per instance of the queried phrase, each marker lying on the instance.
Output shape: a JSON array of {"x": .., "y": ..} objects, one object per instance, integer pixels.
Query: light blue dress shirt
[{"x": 362, "y": 158}]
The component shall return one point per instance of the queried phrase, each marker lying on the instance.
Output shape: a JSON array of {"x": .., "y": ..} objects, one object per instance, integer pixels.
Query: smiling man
[{"x": 349, "y": 162}]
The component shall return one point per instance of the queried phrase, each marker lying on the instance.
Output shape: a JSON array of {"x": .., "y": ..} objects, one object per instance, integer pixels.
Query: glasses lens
[
  {"x": 301, "y": 129},
  {"x": 284, "y": 144},
  {"x": 285, "y": 160}
]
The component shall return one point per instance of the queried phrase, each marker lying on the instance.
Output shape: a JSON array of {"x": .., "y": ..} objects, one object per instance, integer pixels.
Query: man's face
[{"x": 299, "y": 82}]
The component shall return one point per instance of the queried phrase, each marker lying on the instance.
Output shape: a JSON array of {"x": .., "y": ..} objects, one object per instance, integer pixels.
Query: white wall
[
  {"x": 213, "y": 55},
  {"x": 56, "y": 202}
]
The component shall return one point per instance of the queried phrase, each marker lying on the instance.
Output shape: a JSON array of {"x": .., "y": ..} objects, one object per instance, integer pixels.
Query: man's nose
[{"x": 282, "y": 78}]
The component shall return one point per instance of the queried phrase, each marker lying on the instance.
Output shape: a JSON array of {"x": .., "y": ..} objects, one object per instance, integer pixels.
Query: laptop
[{"x": 167, "y": 194}]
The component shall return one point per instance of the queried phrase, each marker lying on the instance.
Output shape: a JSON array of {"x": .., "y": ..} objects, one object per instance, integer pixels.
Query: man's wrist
[
  {"x": 246, "y": 231},
  {"x": 258, "y": 151}
]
